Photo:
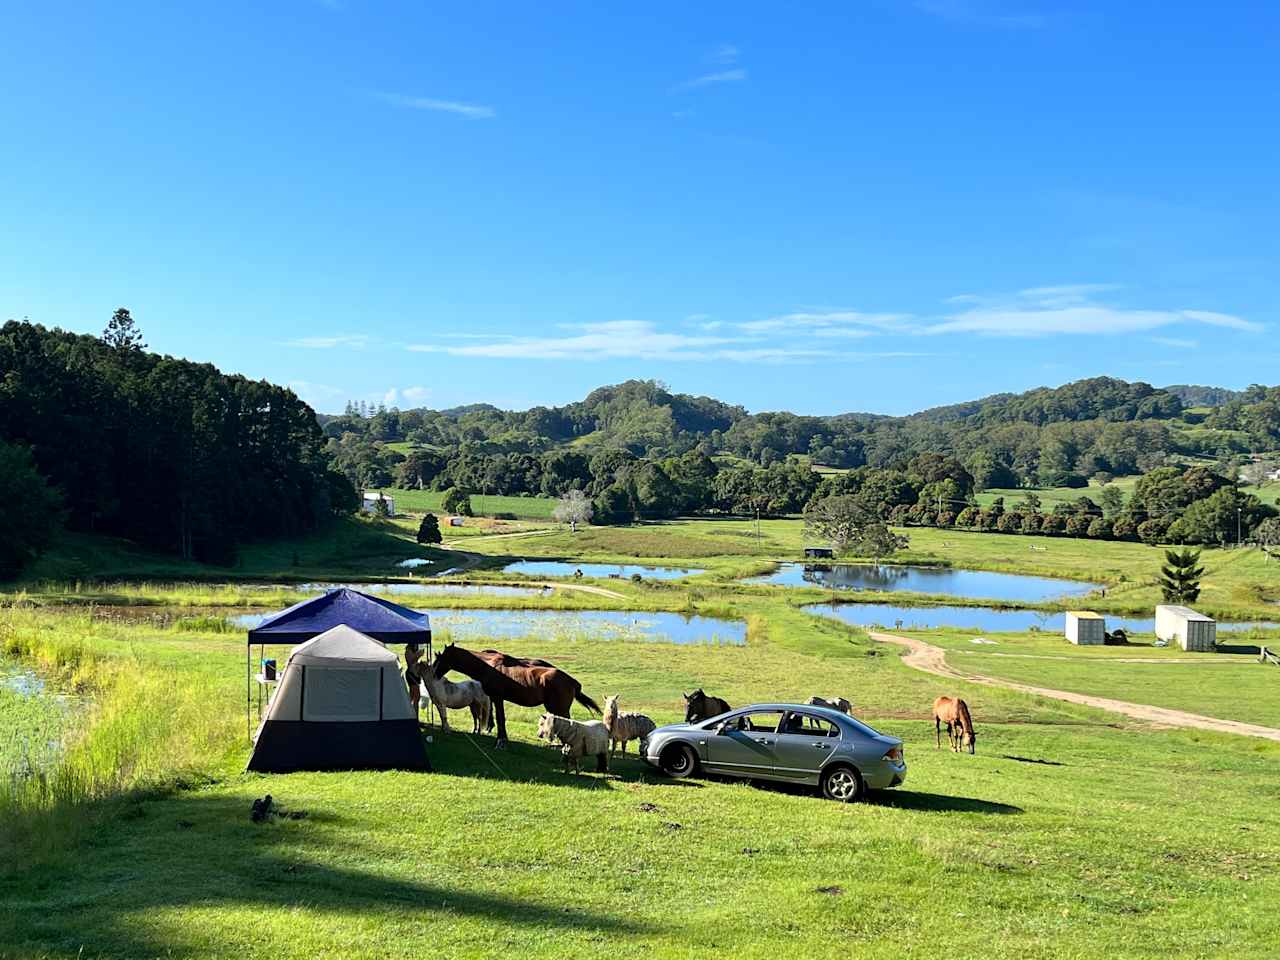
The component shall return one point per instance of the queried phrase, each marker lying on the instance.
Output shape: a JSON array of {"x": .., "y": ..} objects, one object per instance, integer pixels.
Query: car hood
[{"x": 678, "y": 728}]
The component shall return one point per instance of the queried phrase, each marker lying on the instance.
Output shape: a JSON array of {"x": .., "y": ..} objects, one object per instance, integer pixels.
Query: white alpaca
[
  {"x": 835, "y": 703},
  {"x": 624, "y": 726},
  {"x": 454, "y": 696},
  {"x": 589, "y": 739}
]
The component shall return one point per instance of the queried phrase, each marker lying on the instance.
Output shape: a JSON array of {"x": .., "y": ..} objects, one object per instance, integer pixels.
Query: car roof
[{"x": 835, "y": 716}]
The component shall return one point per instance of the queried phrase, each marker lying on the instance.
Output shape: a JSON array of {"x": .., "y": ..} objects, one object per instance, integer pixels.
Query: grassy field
[
  {"x": 423, "y": 501},
  {"x": 1068, "y": 835},
  {"x": 1226, "y": 685}
]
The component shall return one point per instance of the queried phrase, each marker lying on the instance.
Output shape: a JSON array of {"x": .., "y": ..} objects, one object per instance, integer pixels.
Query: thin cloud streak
[
  {"x": 473, "y": 110},
  {"x": 356, "y": 340},
  {"x": 737, "y": 75}
]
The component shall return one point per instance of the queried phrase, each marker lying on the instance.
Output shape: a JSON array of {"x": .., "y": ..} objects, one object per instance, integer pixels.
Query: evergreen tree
[
  {"x": 122, "y": 333},
  {"x": 1180, "y": 576},
  {"x": 429, "y": 530}
]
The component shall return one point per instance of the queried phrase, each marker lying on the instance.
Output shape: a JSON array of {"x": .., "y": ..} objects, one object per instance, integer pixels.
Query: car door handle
[
  {"x": 765, "y": 742},
  {"x": 822, "y": 746}
]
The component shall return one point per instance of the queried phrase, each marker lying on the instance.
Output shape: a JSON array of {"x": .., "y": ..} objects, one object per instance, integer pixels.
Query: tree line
[{"x": 108, "y": 437}]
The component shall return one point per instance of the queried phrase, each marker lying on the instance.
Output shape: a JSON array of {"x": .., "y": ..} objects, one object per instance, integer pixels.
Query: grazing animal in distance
[
  {"x": 698, "y": 706},
  {"x": 954, "y": 712},
  {"x": 447, "y": 695},
  {"x": 526, "y": 683},
  {"x": 624, "y": 726},
  {"x": 590, "y": 739},
  {"x": 835, "y": 703}
]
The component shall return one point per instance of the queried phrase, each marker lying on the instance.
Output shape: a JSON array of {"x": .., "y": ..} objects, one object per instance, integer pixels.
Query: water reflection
[
  {"x": 563, "y": 568},
  {"x": 937, "y": 580}
]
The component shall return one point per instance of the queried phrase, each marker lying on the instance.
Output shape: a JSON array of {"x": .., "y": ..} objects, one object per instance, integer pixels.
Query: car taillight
[{"x": 894, "y": 755}]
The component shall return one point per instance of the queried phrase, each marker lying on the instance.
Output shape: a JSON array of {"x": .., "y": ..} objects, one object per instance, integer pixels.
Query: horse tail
[{"x": 587, "y": 702}]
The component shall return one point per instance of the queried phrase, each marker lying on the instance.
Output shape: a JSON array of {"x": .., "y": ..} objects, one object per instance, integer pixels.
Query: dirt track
[{"x": 930, "y": 659}]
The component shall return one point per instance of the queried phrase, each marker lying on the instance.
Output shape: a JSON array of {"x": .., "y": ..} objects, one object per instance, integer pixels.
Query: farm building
[
  {"x": 818, "y": 553},
  {"x": 1193, "y": 631},
  {"x": 369, "y": 504},
  {"x": 1086, "y": 628}
]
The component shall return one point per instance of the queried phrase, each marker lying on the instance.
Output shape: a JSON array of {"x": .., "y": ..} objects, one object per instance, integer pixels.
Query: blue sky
[{"x": 879, "y": 205}]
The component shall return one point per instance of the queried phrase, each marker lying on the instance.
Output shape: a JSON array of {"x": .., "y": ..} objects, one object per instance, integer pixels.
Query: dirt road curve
[{"x": 931, "y": 659}]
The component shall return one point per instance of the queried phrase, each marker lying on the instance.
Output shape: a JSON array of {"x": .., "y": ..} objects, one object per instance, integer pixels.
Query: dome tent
[{"x": 342, "y": 704}]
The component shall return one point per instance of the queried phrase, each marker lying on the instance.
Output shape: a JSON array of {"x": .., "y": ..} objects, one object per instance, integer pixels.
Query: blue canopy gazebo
[{"x": 382, "y": 620}]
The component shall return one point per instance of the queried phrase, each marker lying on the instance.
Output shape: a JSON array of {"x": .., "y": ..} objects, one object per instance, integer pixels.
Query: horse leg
[
  {"x": 501, "y": 742},
  {"x": 602, "y": 762},
  {"x": 444, "y": 716},
  {"x": 937, "y": 731}
]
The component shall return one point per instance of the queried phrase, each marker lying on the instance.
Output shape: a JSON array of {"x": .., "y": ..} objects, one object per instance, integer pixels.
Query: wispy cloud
[
  {"x": 834, "y": 323},
  {"x": 642, "y": 340},
  {"x": 1178, "y": 343},
  {"x": 355, "y": 340},
  {"x": 986, "y": 13},
  {"x": 317, "y": 395},
  {"x": 1073, "y": 309},
  {"x": 736, "y": 75},
  {"x": 473, "y": 110}
]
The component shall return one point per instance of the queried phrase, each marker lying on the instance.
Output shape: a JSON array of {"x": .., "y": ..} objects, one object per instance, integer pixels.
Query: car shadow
[{"x": 939, "y": 803}]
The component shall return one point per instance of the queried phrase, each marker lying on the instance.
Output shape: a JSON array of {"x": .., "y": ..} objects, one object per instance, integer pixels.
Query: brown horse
[
  {"x": 698, "y": 706},
  {"x": 954, "y": 712},
  {"x": 527, "y": 683}
]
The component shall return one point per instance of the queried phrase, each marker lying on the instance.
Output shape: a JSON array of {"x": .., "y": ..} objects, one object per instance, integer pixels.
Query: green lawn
[
  {"x": 1067, "y": 835},
  {"x": 423, "y": 501},
  {"x": 1224, "y": 685}
]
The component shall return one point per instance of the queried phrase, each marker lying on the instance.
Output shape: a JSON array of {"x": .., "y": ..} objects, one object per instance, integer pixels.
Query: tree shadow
[
  {"x": 1042, "y": 762},
  {"x": 457, "y": 754},
  {"x": 1251, "y": 649},
  {"x": 204, "y": 853},
  {"x": 939, "y": 803}
]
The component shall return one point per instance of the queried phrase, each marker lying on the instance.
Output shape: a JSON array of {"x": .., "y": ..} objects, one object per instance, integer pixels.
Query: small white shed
[
  {"x": 1086, "y": 628},
  {"x": 1193, "y": 631},
  {"x": 369, "y": 504}
]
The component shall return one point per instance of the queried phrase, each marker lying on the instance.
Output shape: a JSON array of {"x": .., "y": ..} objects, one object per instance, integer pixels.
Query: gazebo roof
[{"x": 380, "y": 619}]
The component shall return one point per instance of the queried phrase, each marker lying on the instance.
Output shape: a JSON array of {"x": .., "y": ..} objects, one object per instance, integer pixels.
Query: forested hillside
[{"x": 110, "y": 438}]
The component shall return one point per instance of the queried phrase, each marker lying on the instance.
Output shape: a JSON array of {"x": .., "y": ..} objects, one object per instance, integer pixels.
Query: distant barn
[
  {"x": 1086, "y": 628},
  {"x": 818, "y": 553},
  {"x": 1193, "y": 631},
  {"x": 369, "y": 504}
]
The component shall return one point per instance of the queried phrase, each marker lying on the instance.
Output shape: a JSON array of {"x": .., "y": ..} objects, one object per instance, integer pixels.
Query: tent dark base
[{"x": 286, "y": 746}]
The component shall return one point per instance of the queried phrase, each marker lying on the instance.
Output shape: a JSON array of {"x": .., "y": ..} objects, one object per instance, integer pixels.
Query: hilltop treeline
[
  {"x": 1046, "y": 437},
  {"x": 173, "y": 454}
]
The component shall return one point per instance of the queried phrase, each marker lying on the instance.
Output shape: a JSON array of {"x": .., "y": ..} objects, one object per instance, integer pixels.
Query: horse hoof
[{"x": 500, "y": 745}]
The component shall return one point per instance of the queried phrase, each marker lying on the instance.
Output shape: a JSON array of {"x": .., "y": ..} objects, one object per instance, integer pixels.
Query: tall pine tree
[{"x": 1180, "y": 576}]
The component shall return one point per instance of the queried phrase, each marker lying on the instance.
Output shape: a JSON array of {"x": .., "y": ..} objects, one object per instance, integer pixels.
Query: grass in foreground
[{"x": 1066, "y": 835}]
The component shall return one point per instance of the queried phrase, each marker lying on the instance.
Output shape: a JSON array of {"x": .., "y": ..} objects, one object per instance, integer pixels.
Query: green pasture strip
[
  {"x": 1069, "y": 834},
  {"x": 423, "y": 501},
  {"x": 1223, "y": 685}
]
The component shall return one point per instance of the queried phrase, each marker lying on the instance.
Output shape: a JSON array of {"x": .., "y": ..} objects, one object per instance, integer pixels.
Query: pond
[
  {"x": 420, "y": 589},
  {"x": 564, "y": 568},
  {"x": 981, "y": 619},
  {"x": 605, "y": 625},
  {"x": 34, "y": 720},
  {"x": 937, "y": 580}
]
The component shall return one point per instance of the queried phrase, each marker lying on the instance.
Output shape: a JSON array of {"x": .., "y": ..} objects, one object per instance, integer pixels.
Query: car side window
[
  {"x": 807, "y": 725},
  {"x": 762, "y": 722}
]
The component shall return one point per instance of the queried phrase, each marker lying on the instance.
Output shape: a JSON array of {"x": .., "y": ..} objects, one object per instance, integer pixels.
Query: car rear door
[
  {"x": 745, "y": 747},
  {"x": 803, "y": 746}
]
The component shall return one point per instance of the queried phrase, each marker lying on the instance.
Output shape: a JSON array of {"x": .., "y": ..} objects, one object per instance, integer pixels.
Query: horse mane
[
  {"x": 470, "y": 661},
  {"x": 962, "y": 714}
]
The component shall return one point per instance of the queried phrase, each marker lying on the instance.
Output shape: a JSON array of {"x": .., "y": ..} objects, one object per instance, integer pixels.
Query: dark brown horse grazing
[
  {"x": 527, "y": 683},
  {"x": 954, "y": 712},
  {"x": 698, "y": 706}
]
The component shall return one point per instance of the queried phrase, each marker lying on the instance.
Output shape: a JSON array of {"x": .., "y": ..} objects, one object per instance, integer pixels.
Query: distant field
[
  {"x": 1053, "y": 495},
  {"x": 420, "y": 501}
]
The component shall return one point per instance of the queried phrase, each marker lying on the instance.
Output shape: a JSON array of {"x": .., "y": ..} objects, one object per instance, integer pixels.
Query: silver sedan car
[{"x": 786, "y": 742}]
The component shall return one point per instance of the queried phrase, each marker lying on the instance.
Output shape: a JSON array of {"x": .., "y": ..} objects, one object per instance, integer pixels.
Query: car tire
[
  {"x": 842, "y": 783},
  {"x": 679, "y": 761}
]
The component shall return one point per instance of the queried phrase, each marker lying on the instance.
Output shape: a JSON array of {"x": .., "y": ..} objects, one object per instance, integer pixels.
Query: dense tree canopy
[{"x": 174, "y": 454}]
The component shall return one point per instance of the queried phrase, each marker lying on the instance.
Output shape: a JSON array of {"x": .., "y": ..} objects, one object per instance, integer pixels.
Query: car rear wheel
[
  {"x": 842, "y": 783},
  {"x": 679, "y": 761}
]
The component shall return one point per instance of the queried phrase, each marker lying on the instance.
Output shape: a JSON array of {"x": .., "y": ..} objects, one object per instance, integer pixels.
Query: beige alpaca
[
  {"x": 579, "y": 739},
  {"x": 624, "y": 726}
]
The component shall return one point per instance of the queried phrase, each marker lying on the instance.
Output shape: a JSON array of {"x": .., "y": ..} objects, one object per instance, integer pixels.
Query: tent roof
[
  {"x": 342, "y": 645},
  {"x": 380, "y": 619}
]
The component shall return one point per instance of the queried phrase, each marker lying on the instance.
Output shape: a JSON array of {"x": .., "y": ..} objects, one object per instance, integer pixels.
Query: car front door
[
  {"x": 744, "y": 745},
  {"x": 803, "y": 744}
]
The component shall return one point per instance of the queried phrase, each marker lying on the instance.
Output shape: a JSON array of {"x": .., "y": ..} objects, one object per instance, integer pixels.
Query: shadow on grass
[
  {"x": 939, "y": 803},
  {"x": 456, "y": 754},
  {"x": 1042, "y": 762},
  {"x": 154, "y": 864}
]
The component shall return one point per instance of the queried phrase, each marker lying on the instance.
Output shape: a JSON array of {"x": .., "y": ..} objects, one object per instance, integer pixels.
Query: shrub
[
  {"x": 1077, "y": 525},
  {"x": 1009, "y": 523},
  {"x": 1100, "y": 529},
  {"x": 968, "y": 517},
  {"x": 946, "y": 519},
  {"x": 1052, "y": 524},
  {"x": 1153, "y": 531},
  {"x": 1124, "y": 528},
  {"x": 1031, "y": 523}
]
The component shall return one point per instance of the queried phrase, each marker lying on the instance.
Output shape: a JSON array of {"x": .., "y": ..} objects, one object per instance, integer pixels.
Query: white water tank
[
  {"x": 1085, "y": 627},
  {"x": 1193, "y": 631}
]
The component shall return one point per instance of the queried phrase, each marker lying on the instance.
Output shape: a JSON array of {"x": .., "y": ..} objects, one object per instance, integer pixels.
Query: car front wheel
[
  {"x": 842, "y": 783},
  {"x": 679, "y": 761}
]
